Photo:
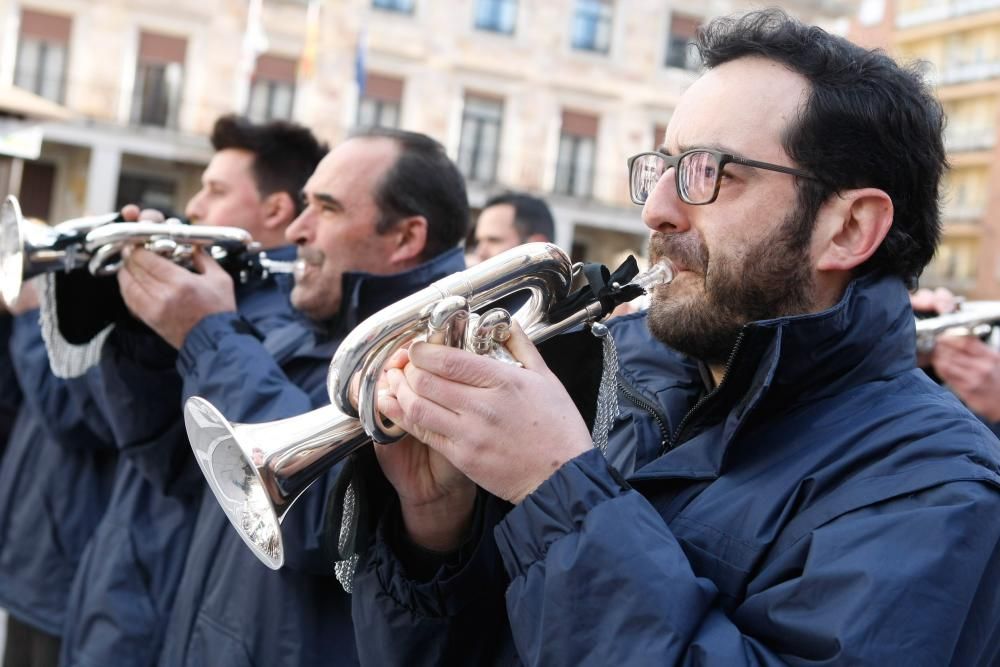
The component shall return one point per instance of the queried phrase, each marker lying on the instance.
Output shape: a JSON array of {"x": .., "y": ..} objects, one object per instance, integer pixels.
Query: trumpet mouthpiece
[{"x": 660, "y": 273}]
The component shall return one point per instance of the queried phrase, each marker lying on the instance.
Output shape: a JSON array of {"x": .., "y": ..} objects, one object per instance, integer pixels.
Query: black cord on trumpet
[{"x": 608, "y": 288}]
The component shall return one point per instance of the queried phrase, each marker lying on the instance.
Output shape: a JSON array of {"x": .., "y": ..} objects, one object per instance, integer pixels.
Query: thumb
[
  {"x": 524, "y": 350},
  {"x": 205, "y": 264}
]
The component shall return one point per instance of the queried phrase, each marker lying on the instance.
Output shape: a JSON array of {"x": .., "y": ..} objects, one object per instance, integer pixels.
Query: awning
[{"x": 20, "y": 102}]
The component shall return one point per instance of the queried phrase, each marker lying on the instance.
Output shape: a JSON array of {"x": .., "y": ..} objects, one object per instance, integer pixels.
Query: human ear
[
  {"x": 850, "y": 227},
  {"x": 410, "y": 240},
  {"x": 279, "y": 210}
]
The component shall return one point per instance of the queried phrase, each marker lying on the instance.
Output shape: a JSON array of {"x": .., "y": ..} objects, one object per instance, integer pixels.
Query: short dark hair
[
  {"x": 423, "y": 181},
  {"x": 868, "y": 122},
  {"x": 531, "y": 214},
  {"x": 285, "y": 154}
]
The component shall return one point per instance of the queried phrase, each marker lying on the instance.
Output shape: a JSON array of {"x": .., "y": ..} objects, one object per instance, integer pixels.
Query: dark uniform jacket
[
  {"x": 124, "y": 589},
  {"x": 231, "y": 610},
  {"x": 826, "y": 504},
  {"x": 55, "y": 481}
]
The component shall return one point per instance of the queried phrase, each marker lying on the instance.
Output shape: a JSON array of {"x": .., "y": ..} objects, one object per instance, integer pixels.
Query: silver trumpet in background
[
  {"x": 29, "y": 249},
  {"x": 973, "y": 318},
  {"x": 257, "y": 471}
]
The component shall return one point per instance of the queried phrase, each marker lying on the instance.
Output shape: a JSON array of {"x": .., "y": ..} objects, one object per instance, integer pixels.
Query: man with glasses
[{"x": 823, "y": 502}]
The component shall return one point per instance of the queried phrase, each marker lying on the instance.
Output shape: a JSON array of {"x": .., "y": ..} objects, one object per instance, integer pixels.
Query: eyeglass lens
[{"x": 696, "y": 178}]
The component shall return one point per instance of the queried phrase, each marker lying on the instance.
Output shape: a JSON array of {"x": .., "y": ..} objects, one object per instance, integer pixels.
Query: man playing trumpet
[
  {"x": 129, "y": 574},
  {"x": 380, "y": 217},
  {"x": 823, "y": 503}
]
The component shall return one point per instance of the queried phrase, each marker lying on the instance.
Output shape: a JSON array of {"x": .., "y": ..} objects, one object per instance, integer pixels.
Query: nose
[
  {"x": 300, "y": 231},
  {"x": 195, "y": 207},
  {"x": 664, "y": 211},
  {"x": 482, "y": 252}
]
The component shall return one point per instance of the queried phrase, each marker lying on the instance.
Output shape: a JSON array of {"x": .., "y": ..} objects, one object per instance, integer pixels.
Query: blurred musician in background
[
  {"x": 508, "y": 220},
  {"x": 824, "y": 501},
  {"x": 967, "y": 364},
  {"x": 55, "y": 481},
  {"x": 129, "y": 573}
]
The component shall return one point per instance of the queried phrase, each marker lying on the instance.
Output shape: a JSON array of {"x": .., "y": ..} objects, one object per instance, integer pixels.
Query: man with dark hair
[
  {"x": 253, "y": 179},
  {"x": 510, "y": 219},
  {"x": 129, "y": 572},
  {"x": 822, "y": 503},
  {"x": 382, "y": 216}
]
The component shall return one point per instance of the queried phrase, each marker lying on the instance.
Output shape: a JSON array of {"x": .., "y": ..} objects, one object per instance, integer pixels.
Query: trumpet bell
[
  {"x": 257, "y": 471},
  {"x": 11, "y": 249}
]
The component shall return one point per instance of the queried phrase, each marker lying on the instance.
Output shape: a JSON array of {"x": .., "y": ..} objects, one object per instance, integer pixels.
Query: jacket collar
[
  {"x": 781, "y": 362},
  {"x": 364, "y": 294}
]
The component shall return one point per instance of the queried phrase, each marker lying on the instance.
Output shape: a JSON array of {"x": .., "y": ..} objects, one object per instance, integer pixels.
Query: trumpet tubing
[
  {"x": 28, "y": 250},
  {"x": 257, "y": 471}
]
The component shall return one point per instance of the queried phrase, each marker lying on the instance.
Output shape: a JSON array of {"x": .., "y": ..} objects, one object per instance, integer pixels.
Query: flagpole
[{"x": 254, "y": 43}]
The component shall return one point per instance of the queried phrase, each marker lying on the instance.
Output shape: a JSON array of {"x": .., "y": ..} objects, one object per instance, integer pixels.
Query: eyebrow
[
  {"x": 324, "y": 198},
  {"x": 714, "y": 147}
]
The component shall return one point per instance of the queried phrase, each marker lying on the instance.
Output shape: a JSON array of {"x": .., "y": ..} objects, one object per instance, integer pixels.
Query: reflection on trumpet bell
[
  {"x": 257, "y": 471},
  {"x": 29, "y": 249}
]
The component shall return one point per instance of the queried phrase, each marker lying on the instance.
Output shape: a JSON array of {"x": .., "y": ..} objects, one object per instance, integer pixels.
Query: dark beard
[{"x": 773, "y": 279}]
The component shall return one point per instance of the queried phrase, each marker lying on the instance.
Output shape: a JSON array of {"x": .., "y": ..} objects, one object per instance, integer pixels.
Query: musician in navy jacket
[
  {"x": 124, "y": 589},
  {"x": 823, "y": 502},
  {"x": 55, "y": 480},
  {"x": 383, "y": 214}
]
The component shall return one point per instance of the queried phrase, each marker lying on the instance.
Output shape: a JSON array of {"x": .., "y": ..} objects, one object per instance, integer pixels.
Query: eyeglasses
[{"x": 696, "y": 173}]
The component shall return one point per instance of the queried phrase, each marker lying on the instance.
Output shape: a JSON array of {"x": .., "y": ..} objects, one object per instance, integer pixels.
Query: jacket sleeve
[
  {"x": 66, "y": 408},
  {"x": 10, "y": 389},
  {"x": 138, "y": 390},
  {"x": 598, "y": 578},
  {"x": 230, "y": 367},
  {"x": 454, "y": 617}
]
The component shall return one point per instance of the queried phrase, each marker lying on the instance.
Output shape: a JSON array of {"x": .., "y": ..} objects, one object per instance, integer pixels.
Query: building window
[
  {"x": 42, "y": 54},
  {"x": 659, "y": 136},
  {"x": 381, "y": 102},
  {"x": 402, "y": 6},
  {"x": 496, "y": 15},
  {"x": 681, "y": 52},
  {"x": 148, "y": 192},
  {"x": 272, "y": 89},
  {"x": 577, "y": 147},
  {"x": 159, "y": 76},
  {"x": 592, "y": 25},
  {"x": 479, "y": 147}
]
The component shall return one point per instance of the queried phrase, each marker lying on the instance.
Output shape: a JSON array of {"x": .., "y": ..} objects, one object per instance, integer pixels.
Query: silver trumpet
[
  {"x": 973, "y": 318},
  {"x": 257, "y": 471},
  {"x": 29, "y": 249}
]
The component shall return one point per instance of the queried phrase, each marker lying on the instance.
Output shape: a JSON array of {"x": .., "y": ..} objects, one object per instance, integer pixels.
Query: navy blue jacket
[
  {"x": 826, "y": 504},
  {"x": 231, "y": 610},
  {"x": 128, "y": 575},
  {"x": 10, "y": 390},
  {"x": 55, "y": 481}
]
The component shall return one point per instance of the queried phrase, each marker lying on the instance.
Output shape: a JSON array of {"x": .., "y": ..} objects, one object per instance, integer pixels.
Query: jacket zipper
[
  {"x": 675, "y": 440},
  {"x": 648, "y": 407}
]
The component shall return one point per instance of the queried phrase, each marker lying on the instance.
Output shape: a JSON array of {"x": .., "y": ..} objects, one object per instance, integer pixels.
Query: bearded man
[{"x": 822, "y": 503}]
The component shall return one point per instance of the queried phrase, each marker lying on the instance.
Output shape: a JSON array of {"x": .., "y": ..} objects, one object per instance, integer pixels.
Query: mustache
[
  {"x": 686, "y": 251},
  {"x": 311, "y": 256}
]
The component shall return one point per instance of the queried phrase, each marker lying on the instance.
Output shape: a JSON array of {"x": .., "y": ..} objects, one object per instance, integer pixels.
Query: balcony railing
[
  {"x": 970, "y": 139},
  {"x": 966, "y": 213},
  {"x": 939, "y": 11},
  {"x": 966, "y": 72}
]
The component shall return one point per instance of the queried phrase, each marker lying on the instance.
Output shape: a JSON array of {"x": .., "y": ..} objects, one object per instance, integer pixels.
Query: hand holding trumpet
[
  {"x": 507, "y": 428},
  {"x": 969, "y": 367}
]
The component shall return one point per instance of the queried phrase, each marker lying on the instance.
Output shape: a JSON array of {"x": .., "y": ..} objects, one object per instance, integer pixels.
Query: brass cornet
[
  {"x": 973, "y": 318},
  {"x": 29, "y": 249},
  {"x": 257, "y": 471}
]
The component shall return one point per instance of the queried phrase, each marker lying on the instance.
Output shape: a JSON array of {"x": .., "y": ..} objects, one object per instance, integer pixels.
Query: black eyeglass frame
[{"x": 722, "y": 158}]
